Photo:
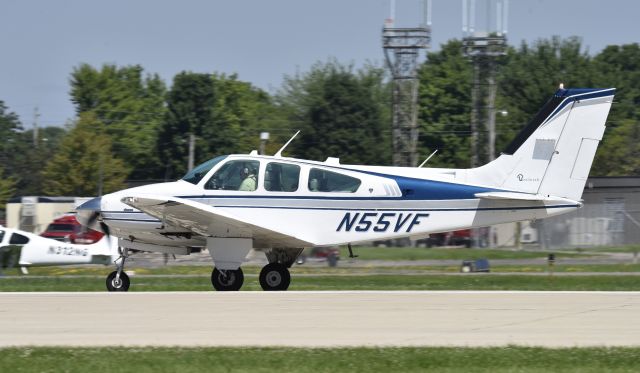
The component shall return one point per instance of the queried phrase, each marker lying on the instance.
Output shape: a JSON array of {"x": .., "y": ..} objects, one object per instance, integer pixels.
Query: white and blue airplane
[{"x": 278, "y": 205}]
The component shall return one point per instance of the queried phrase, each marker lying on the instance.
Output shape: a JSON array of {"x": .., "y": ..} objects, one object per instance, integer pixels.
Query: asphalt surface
[{"x": 328, "y": 319}]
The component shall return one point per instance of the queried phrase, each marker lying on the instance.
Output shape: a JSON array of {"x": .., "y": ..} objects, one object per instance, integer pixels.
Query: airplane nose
[{"x": 86, "y": 212}]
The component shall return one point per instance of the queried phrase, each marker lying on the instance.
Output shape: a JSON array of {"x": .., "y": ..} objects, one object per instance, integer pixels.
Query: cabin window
[
  {"x": 327, "y": 181},
  {"x": 1, "y": 236},
  {"x": 281, "y": 177},
  {"x": 194, "y": 176},
  {"x": 18, "y": 239},
  {"x": 241, "y": 175}
]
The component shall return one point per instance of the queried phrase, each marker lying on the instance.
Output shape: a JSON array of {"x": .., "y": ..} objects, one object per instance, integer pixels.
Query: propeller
[{"x": 89, "y": 213}]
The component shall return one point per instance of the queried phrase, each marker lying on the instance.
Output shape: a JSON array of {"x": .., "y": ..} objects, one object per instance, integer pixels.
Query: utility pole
[
  {"x": 402, "y": 47},
  {"x": 36, "y": 115},
  {"x": 192, "y": 151},
  {"x": 100, "y": 175}
]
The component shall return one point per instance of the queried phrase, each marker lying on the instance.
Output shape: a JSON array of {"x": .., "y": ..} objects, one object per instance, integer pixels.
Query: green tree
[
  {"x": 240, "y": 112},
  {"x": 85, "y": 164},
  {"x": 226, "y": 116},
  {"x": 619, "y": 155},
  {"x": 7, "y": 189},
  {"x": 12, "y": 147},
  {"x": 34, "y": 159},
  {"x": 189, "y": 109},
  {"x": 527, "y": 77},
  {"x": 444, "y": 106},
  {"x": 21, "y": 159},
  {"x": 340, "y": 112},
  {"x": 131, "y": 105},
  {"x": 532, "y": 74},
  {"x": 619, "y": 66}
]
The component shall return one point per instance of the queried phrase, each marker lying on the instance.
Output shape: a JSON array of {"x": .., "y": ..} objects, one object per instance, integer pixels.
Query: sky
[{"x": 260, "y": 40}]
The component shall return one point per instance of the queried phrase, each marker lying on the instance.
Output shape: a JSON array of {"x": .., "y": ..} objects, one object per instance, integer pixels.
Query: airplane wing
[{"x": 206, "y": 220}]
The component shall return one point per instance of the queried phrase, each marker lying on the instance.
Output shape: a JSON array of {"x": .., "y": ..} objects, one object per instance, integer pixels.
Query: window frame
[
  {"x": 264, "y": 179},
  {"x": 309, "y": 179},
  {"x": 256, "y": 165}
]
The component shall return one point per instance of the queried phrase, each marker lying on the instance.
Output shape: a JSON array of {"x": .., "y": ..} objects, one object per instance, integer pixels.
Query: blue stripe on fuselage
[{"x": 421, "y": 189}]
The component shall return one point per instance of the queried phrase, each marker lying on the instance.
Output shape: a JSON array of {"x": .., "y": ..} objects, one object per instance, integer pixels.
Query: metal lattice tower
[
  {"x": 484, "y": 48},
  {"x": 402, "y": 48}
]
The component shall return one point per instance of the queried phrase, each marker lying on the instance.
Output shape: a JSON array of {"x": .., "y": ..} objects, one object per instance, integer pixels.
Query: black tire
[
  {"x": 228, "y": 280},
  {"x": 275, "y": 277},
  {"x": 122, "y": 285}
]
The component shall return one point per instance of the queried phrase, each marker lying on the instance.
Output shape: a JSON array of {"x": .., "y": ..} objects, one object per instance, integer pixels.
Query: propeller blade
[{"x": 105, "y": 229}]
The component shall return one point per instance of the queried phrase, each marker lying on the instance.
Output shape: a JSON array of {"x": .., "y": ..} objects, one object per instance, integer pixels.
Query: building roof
[{"x": 599, "y": 182}]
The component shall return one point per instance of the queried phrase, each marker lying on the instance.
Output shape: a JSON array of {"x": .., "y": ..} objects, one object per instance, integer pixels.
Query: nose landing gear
[{"x": 118, "y": 280}]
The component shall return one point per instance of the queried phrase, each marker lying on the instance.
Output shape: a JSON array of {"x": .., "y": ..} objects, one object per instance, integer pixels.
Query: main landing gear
[
  {"x": 227, "y": 279},
  {"x": 118, "y": 280},
  {"x": 274, "y": 277}
]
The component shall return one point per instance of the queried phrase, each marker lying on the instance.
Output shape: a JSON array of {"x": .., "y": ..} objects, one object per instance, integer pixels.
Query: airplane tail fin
[{"x": 553, "y": 154}]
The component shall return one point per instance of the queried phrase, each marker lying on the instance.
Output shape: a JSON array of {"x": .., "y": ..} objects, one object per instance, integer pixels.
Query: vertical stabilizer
[{"x": 553, "y": 154}]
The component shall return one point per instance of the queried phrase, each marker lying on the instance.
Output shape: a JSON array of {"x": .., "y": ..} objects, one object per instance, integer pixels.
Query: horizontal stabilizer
[{"x": 523, "y": 197}]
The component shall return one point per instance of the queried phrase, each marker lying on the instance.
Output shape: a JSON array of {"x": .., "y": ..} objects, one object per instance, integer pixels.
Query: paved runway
[{"x": 370, "y": 318}]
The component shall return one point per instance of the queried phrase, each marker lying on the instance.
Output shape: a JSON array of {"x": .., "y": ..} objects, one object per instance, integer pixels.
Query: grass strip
[
  {"x": 421, "y": 253},
  {"x": 358, "y": 282},
  {"x": 440, "y": 359}
]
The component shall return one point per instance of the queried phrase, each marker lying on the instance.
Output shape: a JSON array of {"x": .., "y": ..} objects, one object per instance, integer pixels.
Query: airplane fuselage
[{"x": 377, "y": 205}]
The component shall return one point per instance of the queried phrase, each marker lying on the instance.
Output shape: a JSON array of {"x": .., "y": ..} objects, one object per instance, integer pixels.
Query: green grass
[
  {"x": 569, "y": 268},
  {"x": 420, "y": 253},
  {"x": 342, "y": 282},
  {"x": 341, "y": 269},
  {"x": 611, "y": 249},
  {"x": 245, "y": 359}
]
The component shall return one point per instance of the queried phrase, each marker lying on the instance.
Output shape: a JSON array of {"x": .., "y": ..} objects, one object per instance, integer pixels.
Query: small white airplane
[
  {"x": 231, "y": 204},
  {"x": 23, "y": 249}
]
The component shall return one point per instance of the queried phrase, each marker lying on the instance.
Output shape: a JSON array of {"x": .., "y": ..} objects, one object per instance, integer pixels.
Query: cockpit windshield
[{"x": 194, "y": 176}]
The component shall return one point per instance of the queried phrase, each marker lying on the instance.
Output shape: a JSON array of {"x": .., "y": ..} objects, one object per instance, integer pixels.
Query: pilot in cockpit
[{"x": 249, "y": 180}]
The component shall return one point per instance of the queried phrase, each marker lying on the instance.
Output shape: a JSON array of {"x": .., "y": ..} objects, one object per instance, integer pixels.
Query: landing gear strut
[
  {"x": 118, "y": 279},
  {"x": 227, "y": 279}
]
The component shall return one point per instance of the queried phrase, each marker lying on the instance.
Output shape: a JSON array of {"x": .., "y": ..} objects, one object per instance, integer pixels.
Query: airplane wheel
[
  {"x": 229, "y": 280},
  {"x": 274, "y": 277},
  {"x": 121, "y": 285}
]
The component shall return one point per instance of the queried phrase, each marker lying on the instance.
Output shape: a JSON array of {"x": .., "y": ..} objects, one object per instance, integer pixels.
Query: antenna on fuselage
[
  {"x": 429, "y": 157},
  {"x": 279, "y": 153}
]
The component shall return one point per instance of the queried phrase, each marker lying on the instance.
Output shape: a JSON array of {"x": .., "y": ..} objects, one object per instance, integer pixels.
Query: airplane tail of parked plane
[{"x": 552, "y": 155}]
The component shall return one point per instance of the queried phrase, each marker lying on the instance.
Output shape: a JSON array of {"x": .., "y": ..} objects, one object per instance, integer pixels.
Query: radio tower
[
  {"x": 484, "y": 48},
  {"x": 401, "y": 50}
]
